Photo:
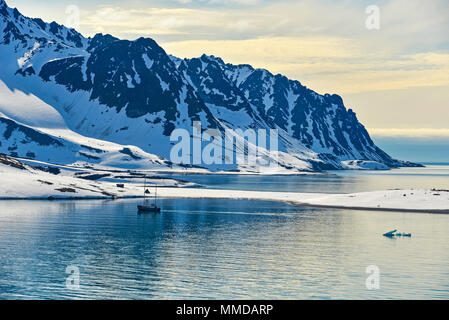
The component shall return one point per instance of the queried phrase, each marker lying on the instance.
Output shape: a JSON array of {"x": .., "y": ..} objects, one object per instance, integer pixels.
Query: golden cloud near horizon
[
  {"x": 423, "y": 133},
  {"x": 345, "y": 66}
]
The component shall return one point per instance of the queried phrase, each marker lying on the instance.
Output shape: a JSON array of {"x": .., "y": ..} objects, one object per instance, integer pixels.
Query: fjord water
[
  {"x": 430, "y": 177},
  {"x": 213, "y": 249}
]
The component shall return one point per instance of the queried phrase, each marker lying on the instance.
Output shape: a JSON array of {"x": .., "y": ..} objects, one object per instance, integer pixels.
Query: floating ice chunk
[
  {"x": 390, "y": 234},
  {"x": 394, "y": 233}
]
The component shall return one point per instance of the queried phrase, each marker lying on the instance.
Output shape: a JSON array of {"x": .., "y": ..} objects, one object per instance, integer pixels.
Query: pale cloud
[
  {"x": 326, "y": 64},
  {"x": 192, "y": 23},
  {"x": 324, "y": 44},
  {"x": 218, "y": 2},
  {"x": 275, "y": 49},
  {"x": 420, "y": 133}
]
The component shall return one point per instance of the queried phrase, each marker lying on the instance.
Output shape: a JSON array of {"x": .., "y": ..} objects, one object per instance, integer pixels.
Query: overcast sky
[{"x": 396, "y": 77}]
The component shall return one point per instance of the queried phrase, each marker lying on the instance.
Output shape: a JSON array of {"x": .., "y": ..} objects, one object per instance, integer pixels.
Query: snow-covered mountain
[
  {"x": 63, "y": 96},
  {"x": 30, "y": 128}
]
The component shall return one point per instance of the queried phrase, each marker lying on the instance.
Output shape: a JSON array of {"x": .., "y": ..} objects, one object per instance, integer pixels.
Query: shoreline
[
  {"x": 57, "y": 198},
  {"x": 430, "y": 211},
  {"x": 417, "y": 201}
]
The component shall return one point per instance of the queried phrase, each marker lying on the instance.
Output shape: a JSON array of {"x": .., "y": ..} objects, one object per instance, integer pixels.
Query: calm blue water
[
  {"x": 222, "y": 249},
  {"x": 433, "y": 176}
]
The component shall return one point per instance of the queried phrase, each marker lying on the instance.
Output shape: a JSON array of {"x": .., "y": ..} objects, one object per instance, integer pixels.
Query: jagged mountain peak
[
  {"x": 25, "y": 29},
  {"x": 134, "y": 93},
  {"x": 100, "y": 40},
  {"x": 212, "y": 58}
]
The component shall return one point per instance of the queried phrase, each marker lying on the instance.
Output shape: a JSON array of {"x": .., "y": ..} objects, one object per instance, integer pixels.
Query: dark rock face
[
  {"x": 208, "y": 77},
  {"x": 66, "y": 71},
  {"x": 12, "y": 162},
  {"x": 320, "y": 122},
  {"x": 126, "y": 74},
  {"x": 137, "y": 76},
  {"x": 10, "y": 127}
]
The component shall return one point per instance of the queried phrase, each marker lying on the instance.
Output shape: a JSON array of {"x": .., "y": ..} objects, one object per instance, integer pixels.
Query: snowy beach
[
  {"x": 21, "y": 181},
  {"x": 391, "y": 200}
]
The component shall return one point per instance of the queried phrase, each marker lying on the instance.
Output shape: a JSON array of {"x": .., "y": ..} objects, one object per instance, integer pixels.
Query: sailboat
[{"x": 148, "y": 207}]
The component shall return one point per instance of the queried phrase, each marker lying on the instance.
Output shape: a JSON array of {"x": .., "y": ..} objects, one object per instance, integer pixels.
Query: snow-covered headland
[
  {"x": 427, "y": 201},
  {"x": 23, "y": 181},
  {"x": 41, "y": 181}
]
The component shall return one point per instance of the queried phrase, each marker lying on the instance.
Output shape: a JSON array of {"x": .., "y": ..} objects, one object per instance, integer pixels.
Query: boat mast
[
  {"x": 145, "y": 189},
  {"x": 155, "y": 197}
]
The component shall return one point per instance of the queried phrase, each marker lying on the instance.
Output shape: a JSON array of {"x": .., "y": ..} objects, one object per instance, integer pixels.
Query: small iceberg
[
  {"x": 395, "y": 233},
  {"x": 390, "y": 234}
]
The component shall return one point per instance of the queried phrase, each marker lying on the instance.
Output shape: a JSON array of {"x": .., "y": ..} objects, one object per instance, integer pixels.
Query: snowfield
[
  {"x": 22, "y": 181},
  {"x": 431, "y": 201},
  {"x": 363, "y": 165},
  {"x": 42, "y": 181}
]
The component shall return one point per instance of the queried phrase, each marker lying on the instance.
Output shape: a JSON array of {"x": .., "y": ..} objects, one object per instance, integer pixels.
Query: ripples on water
[{"x": 217, "y": 249}]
